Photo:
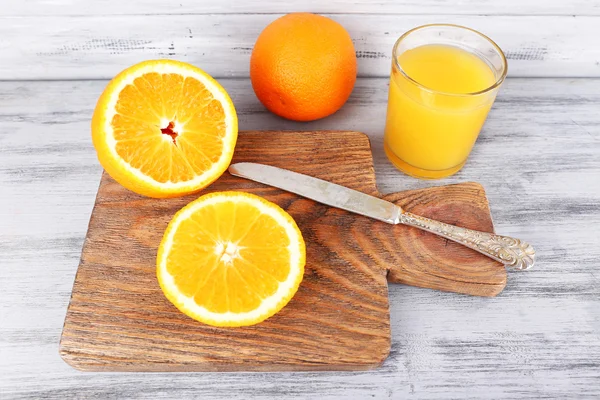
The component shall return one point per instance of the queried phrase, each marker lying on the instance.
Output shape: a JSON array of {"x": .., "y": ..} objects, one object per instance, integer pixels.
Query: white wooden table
[{"x": 538, "y": 158}]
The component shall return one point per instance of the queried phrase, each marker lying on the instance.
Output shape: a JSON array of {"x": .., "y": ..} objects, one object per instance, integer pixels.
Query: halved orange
[
  {"x": 231, "y": 259},
  {"x": 164, "y": 128}
]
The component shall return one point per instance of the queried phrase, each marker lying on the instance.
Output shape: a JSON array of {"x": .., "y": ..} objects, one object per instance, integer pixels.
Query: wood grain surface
[
  {"x": 119, "y": 320},
  {"x": 422, "y": 259},
  {"x": 403, "y": 7},
  {"x": 98, "y": 46},
  {"x": 537, "y": 158}
]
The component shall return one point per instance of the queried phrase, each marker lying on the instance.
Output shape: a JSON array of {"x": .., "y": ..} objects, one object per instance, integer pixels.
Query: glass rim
[{"x": 420, "y": 85}]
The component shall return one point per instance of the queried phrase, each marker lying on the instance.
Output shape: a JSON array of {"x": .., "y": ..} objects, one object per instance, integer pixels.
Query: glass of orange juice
[{"x": 443, "y": 83}]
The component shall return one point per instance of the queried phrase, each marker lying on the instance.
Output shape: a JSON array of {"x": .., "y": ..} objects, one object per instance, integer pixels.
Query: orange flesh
[
  {"x": 169, "y": 127},
  {"x": 223, "y": 250}
]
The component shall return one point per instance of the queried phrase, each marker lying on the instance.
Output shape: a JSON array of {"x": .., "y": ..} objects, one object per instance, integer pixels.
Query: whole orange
[{"x": 303, "y": 66}]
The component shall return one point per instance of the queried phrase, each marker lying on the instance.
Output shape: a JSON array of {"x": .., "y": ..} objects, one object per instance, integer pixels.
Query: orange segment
[
  {"x": 267, "y": 258},
  {"x": 231, "y": 259},
  {"x": 164, "y": 128},
  {"x": 136, "y": 105}
]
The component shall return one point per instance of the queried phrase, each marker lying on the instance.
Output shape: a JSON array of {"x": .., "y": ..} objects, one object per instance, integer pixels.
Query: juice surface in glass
[{"x": 438, "y": 102}]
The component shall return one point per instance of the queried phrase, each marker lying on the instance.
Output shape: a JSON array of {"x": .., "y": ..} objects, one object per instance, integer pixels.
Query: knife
[{"x": 513, "y": 253}]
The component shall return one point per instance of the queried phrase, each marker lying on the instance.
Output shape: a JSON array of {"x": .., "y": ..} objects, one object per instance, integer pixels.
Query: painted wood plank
[
  {"x": 98, "y": 47},
  {"x": 153, "y": 7},
  {"x": 537, "y": 158}
]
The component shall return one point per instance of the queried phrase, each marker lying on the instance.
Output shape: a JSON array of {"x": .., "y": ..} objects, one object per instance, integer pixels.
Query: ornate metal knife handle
[{"x": 513, "y": 253}]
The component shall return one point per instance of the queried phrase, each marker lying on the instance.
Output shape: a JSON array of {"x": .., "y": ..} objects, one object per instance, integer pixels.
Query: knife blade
[
  {"x": 513, "y": 253},
  {"x": 319, "y": 190}
]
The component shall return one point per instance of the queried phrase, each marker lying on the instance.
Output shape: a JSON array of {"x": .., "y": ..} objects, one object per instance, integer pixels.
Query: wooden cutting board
[{"x": 119, "y": 320}]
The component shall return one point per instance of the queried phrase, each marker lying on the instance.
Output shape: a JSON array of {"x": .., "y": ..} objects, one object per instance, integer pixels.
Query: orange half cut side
[{"x": 164, "y": 128}]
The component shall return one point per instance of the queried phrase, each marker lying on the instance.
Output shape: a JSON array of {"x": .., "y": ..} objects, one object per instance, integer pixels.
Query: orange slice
[
  {"x": 231, "y": 259},
  {"x": 164, "y": 128}
]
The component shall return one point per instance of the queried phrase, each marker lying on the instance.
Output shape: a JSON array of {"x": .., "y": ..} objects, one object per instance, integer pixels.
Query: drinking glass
[{"x": 429, "y": 133}]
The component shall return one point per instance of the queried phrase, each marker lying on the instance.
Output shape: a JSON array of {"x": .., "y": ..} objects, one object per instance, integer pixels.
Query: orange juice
[{"x": 438, "y": 102}]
